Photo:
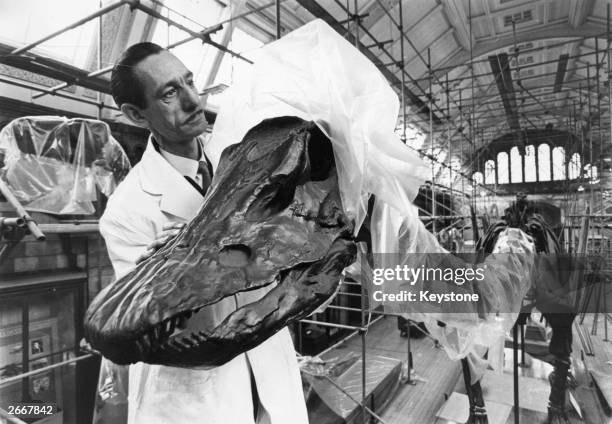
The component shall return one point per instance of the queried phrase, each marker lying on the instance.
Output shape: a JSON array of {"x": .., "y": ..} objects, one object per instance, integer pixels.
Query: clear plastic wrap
[
  {"x": 333, "y": 387},
  {"x": 54, "y": 164},
  {"x": 112, "y": 394},
  {"x": 315, "y": 74},
  {"x": 404, "y": 240}
]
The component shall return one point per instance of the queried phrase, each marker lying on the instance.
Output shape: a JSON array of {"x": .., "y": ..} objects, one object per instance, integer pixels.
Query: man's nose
[{"x": 190, "y": 99}]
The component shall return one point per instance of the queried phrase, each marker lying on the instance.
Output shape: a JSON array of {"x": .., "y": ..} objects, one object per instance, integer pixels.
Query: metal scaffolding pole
[
  {"x": 526, "y": 104},
  {"x": 72, "y": 26},
  {"x": 431, "y": 141},
  {"x": 393, "y": 62},
  {"x": 609, "y": 73},
  {"x": 21, "y": 212},
  {"x": 461, "y": 141},
  {"x": 219, "y": 25},
  {"x": 204, "y": 33},
  {"x": 460, "y": 173},
  {"x": 404, "y": 36},
  {"x": 204, "y": 37},
  {"x": 599, "y": 133},
  {"x": 363, "y": 330},
  {"x": 402, "y": 68},
  {"x": 53, "y": 90},
  {"x": 63, "y": 95},
  {"x": 531, "y": 50},
  {"x": 99, "y": 243},
  {"x": 278, "y": 18},
  {"x": 512, "y": 68},
  {"x": 591, "y": 197},
  {"x": 101, "y": 71},
  {"x": 472, "y": 111},
  {"x": 450, "y": 144}
]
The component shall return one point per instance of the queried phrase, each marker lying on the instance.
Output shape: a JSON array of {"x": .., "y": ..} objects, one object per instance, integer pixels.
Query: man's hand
[{"x": 168, "y": 232}]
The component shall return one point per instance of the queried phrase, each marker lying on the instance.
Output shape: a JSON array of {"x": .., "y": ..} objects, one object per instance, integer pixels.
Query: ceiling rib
[
  {"x": 500, "y": 66},
  {"x": 560, "y": 75}
]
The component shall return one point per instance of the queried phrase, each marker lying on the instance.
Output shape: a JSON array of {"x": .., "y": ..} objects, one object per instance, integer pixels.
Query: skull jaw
[{"x": 299, "y": 292}]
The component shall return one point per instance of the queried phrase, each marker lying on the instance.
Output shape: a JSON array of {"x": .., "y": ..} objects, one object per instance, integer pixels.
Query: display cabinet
[{"x": 40, "y": 327}]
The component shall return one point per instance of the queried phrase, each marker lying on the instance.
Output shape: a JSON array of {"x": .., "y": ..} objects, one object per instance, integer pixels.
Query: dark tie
[{"x": 205, "y": 173}]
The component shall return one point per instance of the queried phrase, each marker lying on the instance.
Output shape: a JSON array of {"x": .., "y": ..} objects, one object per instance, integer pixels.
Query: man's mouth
[{"x": 195, "y": 116}]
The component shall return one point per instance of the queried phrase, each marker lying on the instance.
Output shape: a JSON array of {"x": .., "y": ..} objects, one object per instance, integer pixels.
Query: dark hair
[{"x": 124, "y": 84}]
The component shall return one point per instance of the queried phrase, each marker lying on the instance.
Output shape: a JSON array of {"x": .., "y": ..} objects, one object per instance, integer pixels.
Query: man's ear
[{"x": 134, "y": 114}]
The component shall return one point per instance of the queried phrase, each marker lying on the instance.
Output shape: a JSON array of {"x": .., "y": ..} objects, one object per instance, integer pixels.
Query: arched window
[
  {"x": 502, "y": 168},
  {"x": 489, "y": 172},
  {"x": 574, "y": 167},
  {"x": 477, "y": 177},
  {"x": 590, "y": 173},
  {"x": 587, "y": 171},
  {"x": 544, "y": 162},
  {"x": 558, "y": 163},
  {"x": 530, "y": 164},
  {"x": 516, "y": 166}
]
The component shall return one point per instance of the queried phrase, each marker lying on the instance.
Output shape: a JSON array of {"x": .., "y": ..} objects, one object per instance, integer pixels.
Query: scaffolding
[{"x": 439, "y": 120}]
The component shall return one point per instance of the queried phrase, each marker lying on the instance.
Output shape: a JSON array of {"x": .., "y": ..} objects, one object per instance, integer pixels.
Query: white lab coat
[{"x": 153, "y": 194}]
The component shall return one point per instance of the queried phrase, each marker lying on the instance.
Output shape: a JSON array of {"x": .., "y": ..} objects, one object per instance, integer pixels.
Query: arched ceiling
[
  {"x": 472, "y": 46},
  {"x": 492, "y": 66}
]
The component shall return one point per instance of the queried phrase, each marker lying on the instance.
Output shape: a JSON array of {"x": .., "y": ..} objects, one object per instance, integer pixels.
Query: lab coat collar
[{"x": 158, "y": 177}]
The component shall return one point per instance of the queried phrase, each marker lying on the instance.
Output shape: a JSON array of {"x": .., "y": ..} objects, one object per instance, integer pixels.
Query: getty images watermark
[
  {"x": 406, "y": 275},
  {"x": 496, "y": 283}
]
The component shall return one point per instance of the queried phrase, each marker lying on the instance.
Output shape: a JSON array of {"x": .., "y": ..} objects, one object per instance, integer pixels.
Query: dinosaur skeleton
[{"x": 524, "y": 214}]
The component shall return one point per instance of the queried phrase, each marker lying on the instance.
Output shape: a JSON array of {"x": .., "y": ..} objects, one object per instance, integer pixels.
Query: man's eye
[
  {"x": 191, "y": 83},
  {"x": 169, "y": 93}
]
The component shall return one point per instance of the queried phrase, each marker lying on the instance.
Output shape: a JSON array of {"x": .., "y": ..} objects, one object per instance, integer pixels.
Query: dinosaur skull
[{"x": 272, "y": 217}]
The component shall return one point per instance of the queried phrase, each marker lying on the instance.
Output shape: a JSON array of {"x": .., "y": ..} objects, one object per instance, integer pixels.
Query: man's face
[{"x": 173, "y": 109}]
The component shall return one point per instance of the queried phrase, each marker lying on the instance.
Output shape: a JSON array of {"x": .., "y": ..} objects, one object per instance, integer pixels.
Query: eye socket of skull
[
  {"x": 235, "y": 255},
  {"x": 320, "y": 155},
  {"x": 277, "y": 196},
  {"x": 273, "y": 199}
]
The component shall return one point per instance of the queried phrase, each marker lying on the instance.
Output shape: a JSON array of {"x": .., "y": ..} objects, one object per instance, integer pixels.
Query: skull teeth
[
  {"x": 141, "y": 349},
  {"x": 160, "y": 336},
  {"x": 170, "y": 324},
  {"x": 175, "y": 345},
  {"x": 182, "y": 343},
  {"x": 145, "y": 341},
  {"x": 199, "y": 337}
]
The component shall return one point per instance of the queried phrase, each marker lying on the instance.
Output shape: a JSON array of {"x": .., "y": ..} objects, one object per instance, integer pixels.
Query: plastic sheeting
[
  {"x": 333, "y": 387},
  {"x": 508, "y": 275},
  {"x": 54, "y": 164},
  {"x": 112, "y": 394},
  {"x": 315, "y": 74}
]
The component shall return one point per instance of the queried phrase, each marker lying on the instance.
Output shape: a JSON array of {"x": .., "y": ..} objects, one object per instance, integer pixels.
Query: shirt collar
[{"x": 185, "y": 166}]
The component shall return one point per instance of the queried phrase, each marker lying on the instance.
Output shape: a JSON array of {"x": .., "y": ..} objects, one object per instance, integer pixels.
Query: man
[{"x": 156, "y": 91}]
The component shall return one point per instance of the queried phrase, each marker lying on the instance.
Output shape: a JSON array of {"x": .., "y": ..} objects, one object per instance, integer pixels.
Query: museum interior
[{"x": 500, "y": 114}]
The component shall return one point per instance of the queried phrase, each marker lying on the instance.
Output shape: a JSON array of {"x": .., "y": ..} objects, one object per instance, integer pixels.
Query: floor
[{"x": 437, "y": 377}]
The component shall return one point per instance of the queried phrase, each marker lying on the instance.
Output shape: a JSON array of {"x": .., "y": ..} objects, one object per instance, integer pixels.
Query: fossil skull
[{"x": 272, "y": 217}]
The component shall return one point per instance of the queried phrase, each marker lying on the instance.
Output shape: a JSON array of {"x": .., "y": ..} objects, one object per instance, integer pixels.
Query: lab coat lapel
[{"x": 158, "y": 177}]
